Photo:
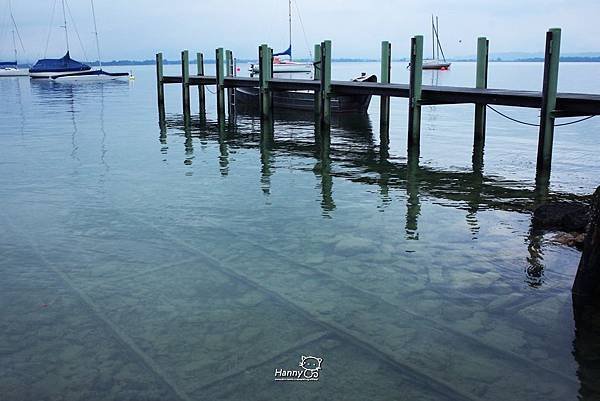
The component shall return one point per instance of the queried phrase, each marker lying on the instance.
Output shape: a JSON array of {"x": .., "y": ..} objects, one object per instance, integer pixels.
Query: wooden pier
[{"x": 552, "y": 104}]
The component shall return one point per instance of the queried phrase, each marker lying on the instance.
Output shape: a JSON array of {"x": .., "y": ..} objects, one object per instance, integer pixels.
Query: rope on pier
[
  {"x": 537, "y": 125},
  {"x": 574, "y": 122}
]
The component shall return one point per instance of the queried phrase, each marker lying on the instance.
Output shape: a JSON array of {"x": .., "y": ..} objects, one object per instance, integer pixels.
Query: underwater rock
[
  {"x": 586, "y": 288},
  {"x": 563, "y": 216},
  {"x": 349, "y": 245},
  {"x": 570, "y": 239},
  {"x": 248, "y": 334}
]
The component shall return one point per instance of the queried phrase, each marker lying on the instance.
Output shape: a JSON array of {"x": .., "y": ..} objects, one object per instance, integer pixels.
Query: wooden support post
[
  {"x": 481, "y": 83},
  {"x": 160, "y": 86},
  {"x": 317, "y": 77},
  {"x": 414, "y": 108},
  {"x": 185, "y": 83},
  {"x": 386, "y": 71},
  {"x": 265, "y": 60},
  {"x": 220, "y": 55},
  {"x": 325, "y": 116},
  {"x": 229, "y": 73},
  {"x": 201, "y": 93},
  {"x": 551, "y": 61}
]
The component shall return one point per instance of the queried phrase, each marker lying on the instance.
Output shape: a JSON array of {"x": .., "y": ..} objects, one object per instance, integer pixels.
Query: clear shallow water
[{"x": 191, "y": 263}]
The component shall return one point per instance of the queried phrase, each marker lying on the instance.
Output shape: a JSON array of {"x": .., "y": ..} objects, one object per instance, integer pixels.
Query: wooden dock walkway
[
  {"x": 567, "y": 104},
  {"x": 552, "y": 104}
]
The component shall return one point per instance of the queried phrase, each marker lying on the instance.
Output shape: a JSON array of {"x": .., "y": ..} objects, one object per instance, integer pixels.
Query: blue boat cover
[
  {"x": 288, "y": 52},
  {"x": 65, "y": 64},
  {"x": 4, "y": 64}
]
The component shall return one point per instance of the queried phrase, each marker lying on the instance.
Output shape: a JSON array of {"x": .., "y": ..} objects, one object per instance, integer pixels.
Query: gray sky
[{"x": 136, "y": 29}]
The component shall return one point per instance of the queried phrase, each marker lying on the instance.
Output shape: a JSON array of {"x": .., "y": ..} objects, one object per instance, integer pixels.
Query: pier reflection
[{"x": 350, "y": 152}]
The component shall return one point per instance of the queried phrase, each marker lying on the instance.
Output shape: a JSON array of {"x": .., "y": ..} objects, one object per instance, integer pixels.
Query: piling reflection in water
[{"x": 351, "y": 144}]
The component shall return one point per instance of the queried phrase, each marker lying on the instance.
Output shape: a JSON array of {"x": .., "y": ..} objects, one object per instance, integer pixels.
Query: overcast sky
[{"x": 137, "y": 29}]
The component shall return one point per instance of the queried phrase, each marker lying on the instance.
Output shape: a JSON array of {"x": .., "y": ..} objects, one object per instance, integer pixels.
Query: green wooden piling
[
  {"x": 229, "y": 73},
  {"x": 481, "y": 83},
  {"x": 201, "y": 93},
  {"x": 546, "y": 135},
  {"x": 160, "y": 86},
  {"x": 386, "y": 71},
  {"x": 414, "y": 108},
  {"x": 185, "y": 83},
  {"x": 265, "y": 60},
  {"x": 317, "y": 77},
  {"x": 220, "y": 55},
  {"x": 325, "y": 84}
]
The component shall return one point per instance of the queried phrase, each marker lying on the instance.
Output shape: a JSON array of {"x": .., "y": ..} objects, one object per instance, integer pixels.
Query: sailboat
[
  {"x": 286, "y": 65},
  {"x": 436, "y": 48},
  {"x": 11, "y": 68},
  {"x": 66, "y": 68}
]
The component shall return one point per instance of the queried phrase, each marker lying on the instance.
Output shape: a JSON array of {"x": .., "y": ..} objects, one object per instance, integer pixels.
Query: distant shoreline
[{"x": 568, "y": 59}]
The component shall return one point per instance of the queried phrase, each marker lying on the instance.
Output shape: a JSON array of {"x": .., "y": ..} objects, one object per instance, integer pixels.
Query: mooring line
[
  {"x": 534, "y": 124},
  {"x": 122, "y": 337}
]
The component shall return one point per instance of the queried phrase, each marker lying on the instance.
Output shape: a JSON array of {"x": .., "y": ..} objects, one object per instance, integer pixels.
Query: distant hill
[
  {"x": 495, "y": 57},
  {"x": 528, "y": 57}
]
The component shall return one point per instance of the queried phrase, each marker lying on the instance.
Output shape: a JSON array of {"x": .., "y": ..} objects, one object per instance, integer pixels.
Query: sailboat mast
[
  {"x": 65, "y": 25},
  {"x": 14, "y": 44},
  {"x": 437, "y": 36},
  {"x": 96, "y": 33},
  {"x": 432, "y": 38},
  {"x": 290, "y": 25}
]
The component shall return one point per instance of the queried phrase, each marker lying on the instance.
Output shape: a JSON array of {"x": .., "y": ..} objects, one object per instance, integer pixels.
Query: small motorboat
[{"x": 305, "y": 99}]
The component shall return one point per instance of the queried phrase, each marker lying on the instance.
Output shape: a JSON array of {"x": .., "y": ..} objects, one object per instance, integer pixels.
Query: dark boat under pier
[{"x": 305, "y": 99}]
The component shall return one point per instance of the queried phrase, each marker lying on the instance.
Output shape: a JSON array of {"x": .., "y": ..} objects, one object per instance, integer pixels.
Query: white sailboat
[
  {"x": 285, "y": 65},
  {"x": 65, "y": 68},
  {"x": 11, "y": 68},
  {"x": 91, "y": 75},
  {"x": 436, "y": 48}
]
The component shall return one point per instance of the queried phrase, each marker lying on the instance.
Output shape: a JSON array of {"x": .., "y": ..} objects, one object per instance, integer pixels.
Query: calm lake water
[{"x": 191, "y": 264}]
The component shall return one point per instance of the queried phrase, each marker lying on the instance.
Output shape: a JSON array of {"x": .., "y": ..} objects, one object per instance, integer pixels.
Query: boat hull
[
  {"x": 94, "y": 75},
  {"x": 44, "y": 74},
  {"x": 10, "y": 72},
  {"x": 435, "y": 65},
  {"x": 302, "y": 100},
  {"x": 284, "y": 67}
]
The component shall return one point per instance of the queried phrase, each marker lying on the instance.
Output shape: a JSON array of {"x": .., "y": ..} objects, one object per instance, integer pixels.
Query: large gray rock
[{"x": 586, "y": 288}]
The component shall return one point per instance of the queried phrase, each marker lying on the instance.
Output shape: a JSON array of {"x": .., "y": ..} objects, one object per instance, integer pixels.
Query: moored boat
[
  {"x": 304, "y": 100},
  {"x": 287, "y": 65},
  {"x": 67, "y": 69},
  {"x": 435, "y": 65},
  {"x": 92, "y": 75},
  {"x": 11, "y": 69},
  {"x": 436, "y": 49},
  {"x": 50, "y": 67},
  {"x": 284, "y": 66}
]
